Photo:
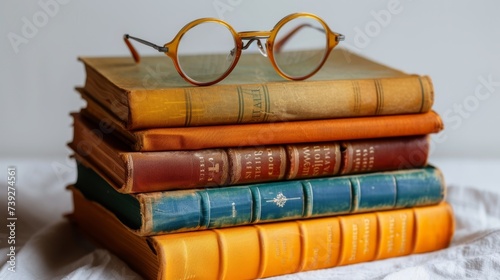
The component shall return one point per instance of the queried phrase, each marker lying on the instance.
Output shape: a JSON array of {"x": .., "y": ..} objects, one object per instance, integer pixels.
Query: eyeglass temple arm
[
  {"x": 279, "y": 44},
  {"x": 134, "y": 53}
]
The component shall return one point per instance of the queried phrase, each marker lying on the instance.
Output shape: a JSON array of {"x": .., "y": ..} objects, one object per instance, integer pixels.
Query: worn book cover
[
  {"x": 258, "y": 134},
  {"x": 197, "y": 209},
  {"x": 151, "y": 94}
]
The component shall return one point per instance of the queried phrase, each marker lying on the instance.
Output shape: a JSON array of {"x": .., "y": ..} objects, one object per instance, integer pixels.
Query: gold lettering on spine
[
  {"x": 315, "y": 256},
  {"x": 328, "y": 160},
  {"x": 404, "y": 232},
  {"x": 357, "y": 160},
  {"x": 316, "y": 161},
  {"x": 282, "y": 251},
  {"x": 258, "y": 103},
  {"x": 252, "y": 165},
  {"x": 270, "y": 162},
  {"x": 202, "y": 175},
  {"x": 248, "y": 167},
  {"x": 363, "y": 159},
  {"x": 258, "y": 164},
  {"x": 307, "y": 161},
  {"x": 322, "y": 161},
  {"x": 366, "y": 236},
  {"x": 208, "y": 169},
  {"x": 213, "y": 169},
  {"x": 392, "y": 235},
  {"x": 354, "y": 243},
  {"x": 329, "y": 244}
]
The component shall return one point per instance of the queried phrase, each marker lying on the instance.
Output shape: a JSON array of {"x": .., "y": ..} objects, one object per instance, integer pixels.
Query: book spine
[
  {"x": 271, "y": 102},
  {"x": 313, "y": 160},
  {"x": 289, "y": 247},
  {"x": 299, "y": 132},
  {"x": 363, "y": 156},
  {"x": 236, "y": 166},
  {"x": 148, "y": 172},
  {"x": 187, "y": 210},
  {"x": 256, "y": 164}
]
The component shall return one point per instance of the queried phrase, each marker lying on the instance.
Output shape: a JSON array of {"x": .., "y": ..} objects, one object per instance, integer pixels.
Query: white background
[{"x": 457, "y": 43}]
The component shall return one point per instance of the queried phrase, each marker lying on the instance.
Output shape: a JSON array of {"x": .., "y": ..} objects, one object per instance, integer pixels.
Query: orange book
[
  {"x": 257, "y": 251},
  {"x": 259, "y": 134},
  {"x": 359, "y": 238},
  {"x": 151, "y": 94}
]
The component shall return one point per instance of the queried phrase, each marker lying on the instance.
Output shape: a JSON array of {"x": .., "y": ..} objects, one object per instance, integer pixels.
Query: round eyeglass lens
[
  {"x": 300, "y": 46},
  {"x": 206, "y": 52}
]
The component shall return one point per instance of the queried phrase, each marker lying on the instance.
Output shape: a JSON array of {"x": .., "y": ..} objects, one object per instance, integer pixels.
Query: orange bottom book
[{"x": 259, "y": 251}]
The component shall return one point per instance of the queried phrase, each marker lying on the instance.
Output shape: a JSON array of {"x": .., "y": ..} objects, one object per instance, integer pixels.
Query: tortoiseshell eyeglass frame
[{"x": 271, "y": 45}]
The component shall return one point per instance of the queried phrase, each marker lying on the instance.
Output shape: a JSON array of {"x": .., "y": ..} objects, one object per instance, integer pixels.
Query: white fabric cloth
[{"x": 48, "y": 247}]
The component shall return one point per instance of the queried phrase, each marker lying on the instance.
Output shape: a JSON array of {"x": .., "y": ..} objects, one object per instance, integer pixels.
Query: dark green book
[{"x": 189, "y": 210}]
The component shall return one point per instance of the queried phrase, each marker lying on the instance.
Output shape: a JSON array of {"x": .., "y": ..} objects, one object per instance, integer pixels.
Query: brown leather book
[
  {"x": 151, "y": 94},
  {"x": 133, "y": 172}
]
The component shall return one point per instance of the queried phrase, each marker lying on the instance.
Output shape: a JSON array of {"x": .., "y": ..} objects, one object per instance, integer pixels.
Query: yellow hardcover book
[
  {"x": 235, "y": 262},
  {"x": 196, "y": 255},
  {"x": 397, "y": 238},
  {"x": 426, "y": 239},
  {"x": 152, "y": 95},
  {"x": 256, "y": 251},
  {"x": 359, "y": 238},
  {"x": 281, "y": 248},
  {"x": 322, "y": 249}
]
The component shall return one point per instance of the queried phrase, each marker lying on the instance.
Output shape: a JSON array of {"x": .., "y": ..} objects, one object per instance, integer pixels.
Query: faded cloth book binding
[
  {"x": 152, "y": 95},
  {"x": 258, "y": 134},
  {"x": 197, "y": 209},
  {"x": 258, "y": 251}
]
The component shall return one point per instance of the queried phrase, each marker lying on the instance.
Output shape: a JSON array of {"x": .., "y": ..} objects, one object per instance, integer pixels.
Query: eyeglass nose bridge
[
  {"x": 262, "y": 50},
  {"x": 255, "y": 36}
]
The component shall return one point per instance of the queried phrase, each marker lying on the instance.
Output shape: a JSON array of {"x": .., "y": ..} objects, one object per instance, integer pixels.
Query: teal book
[{"x": 196, "y": 209}]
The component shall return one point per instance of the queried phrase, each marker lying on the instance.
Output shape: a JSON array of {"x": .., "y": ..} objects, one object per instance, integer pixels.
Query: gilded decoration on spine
[{"x": 281, "y": 199}]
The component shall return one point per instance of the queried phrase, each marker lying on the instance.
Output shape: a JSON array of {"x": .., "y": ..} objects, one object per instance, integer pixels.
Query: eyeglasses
[{"x": 297, "y": 47}]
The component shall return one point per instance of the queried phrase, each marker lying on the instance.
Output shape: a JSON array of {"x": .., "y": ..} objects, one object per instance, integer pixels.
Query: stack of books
[{"x": 256, "y": 176}]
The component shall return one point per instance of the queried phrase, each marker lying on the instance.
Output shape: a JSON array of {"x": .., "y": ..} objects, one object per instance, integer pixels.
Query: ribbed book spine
[
  {"x": 187, "y": 210},
  {"x": 298, "y": 199}
]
